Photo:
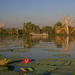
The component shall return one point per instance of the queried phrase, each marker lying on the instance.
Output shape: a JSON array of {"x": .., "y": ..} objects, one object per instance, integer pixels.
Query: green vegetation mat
[{"x": 56, "y": 66}]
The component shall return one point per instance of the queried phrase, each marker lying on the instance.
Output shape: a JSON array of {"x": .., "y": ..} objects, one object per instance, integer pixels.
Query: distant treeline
[
  {"x": 11, "y": 31},
  {"x": 57, "y": 29}
]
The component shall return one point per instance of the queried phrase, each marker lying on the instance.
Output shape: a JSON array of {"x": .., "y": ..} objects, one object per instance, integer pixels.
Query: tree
[
  {"x": 29, "y": 28},
  {"x": 14, "y": 30},
  {"x": 47, "y": 29},
  {"x": 58, "y": 28}
]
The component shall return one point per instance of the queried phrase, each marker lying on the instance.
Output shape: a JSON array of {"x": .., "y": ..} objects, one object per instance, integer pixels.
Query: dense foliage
[{"x": 57, "y": 29}]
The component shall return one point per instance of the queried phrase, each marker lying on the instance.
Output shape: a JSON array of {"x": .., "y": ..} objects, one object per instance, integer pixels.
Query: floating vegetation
[
  {"x": 15, "y": 50},
  {"x": 4, "y": 61},
  {"x": 57, "y": 66},
  {"x": 1, "y": 56},
  {"x": 43, "y": 65},
  {"x": 21, "y": 50},
  {"x": 51, "y": 50},
  {"x": 9, "y": 73},
  {"x": 62, "y": 55}
]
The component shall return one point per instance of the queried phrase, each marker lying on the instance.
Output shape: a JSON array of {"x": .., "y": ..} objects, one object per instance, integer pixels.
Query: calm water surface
[{"x": 37, "y": 47}]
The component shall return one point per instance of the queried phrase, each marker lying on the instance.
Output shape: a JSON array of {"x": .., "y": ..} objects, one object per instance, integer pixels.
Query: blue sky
[{"x": 41, "y": 12}]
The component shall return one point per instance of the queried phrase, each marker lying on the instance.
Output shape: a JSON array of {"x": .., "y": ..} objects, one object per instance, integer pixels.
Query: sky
[{"x": 13, "y": 13}]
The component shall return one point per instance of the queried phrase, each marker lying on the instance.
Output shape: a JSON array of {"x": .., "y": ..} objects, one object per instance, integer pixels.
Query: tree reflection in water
[
  {"x": 64, "y": 41},
  {"x": 59, "y": 41},
  {"x": 67, "y": 44},
  {"x": 30, "y": 41}
]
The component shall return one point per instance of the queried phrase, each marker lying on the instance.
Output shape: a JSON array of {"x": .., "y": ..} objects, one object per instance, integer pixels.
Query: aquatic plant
[{"x": 4, "y": 61}]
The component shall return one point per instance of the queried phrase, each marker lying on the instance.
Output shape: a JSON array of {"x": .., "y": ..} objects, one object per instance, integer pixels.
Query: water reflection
[
  {"x": 67, "y": 44},
  {"x": 64, "y": 41},
  {"x": 30, "y": 41},
  {"x": 58, "y": 41}
]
